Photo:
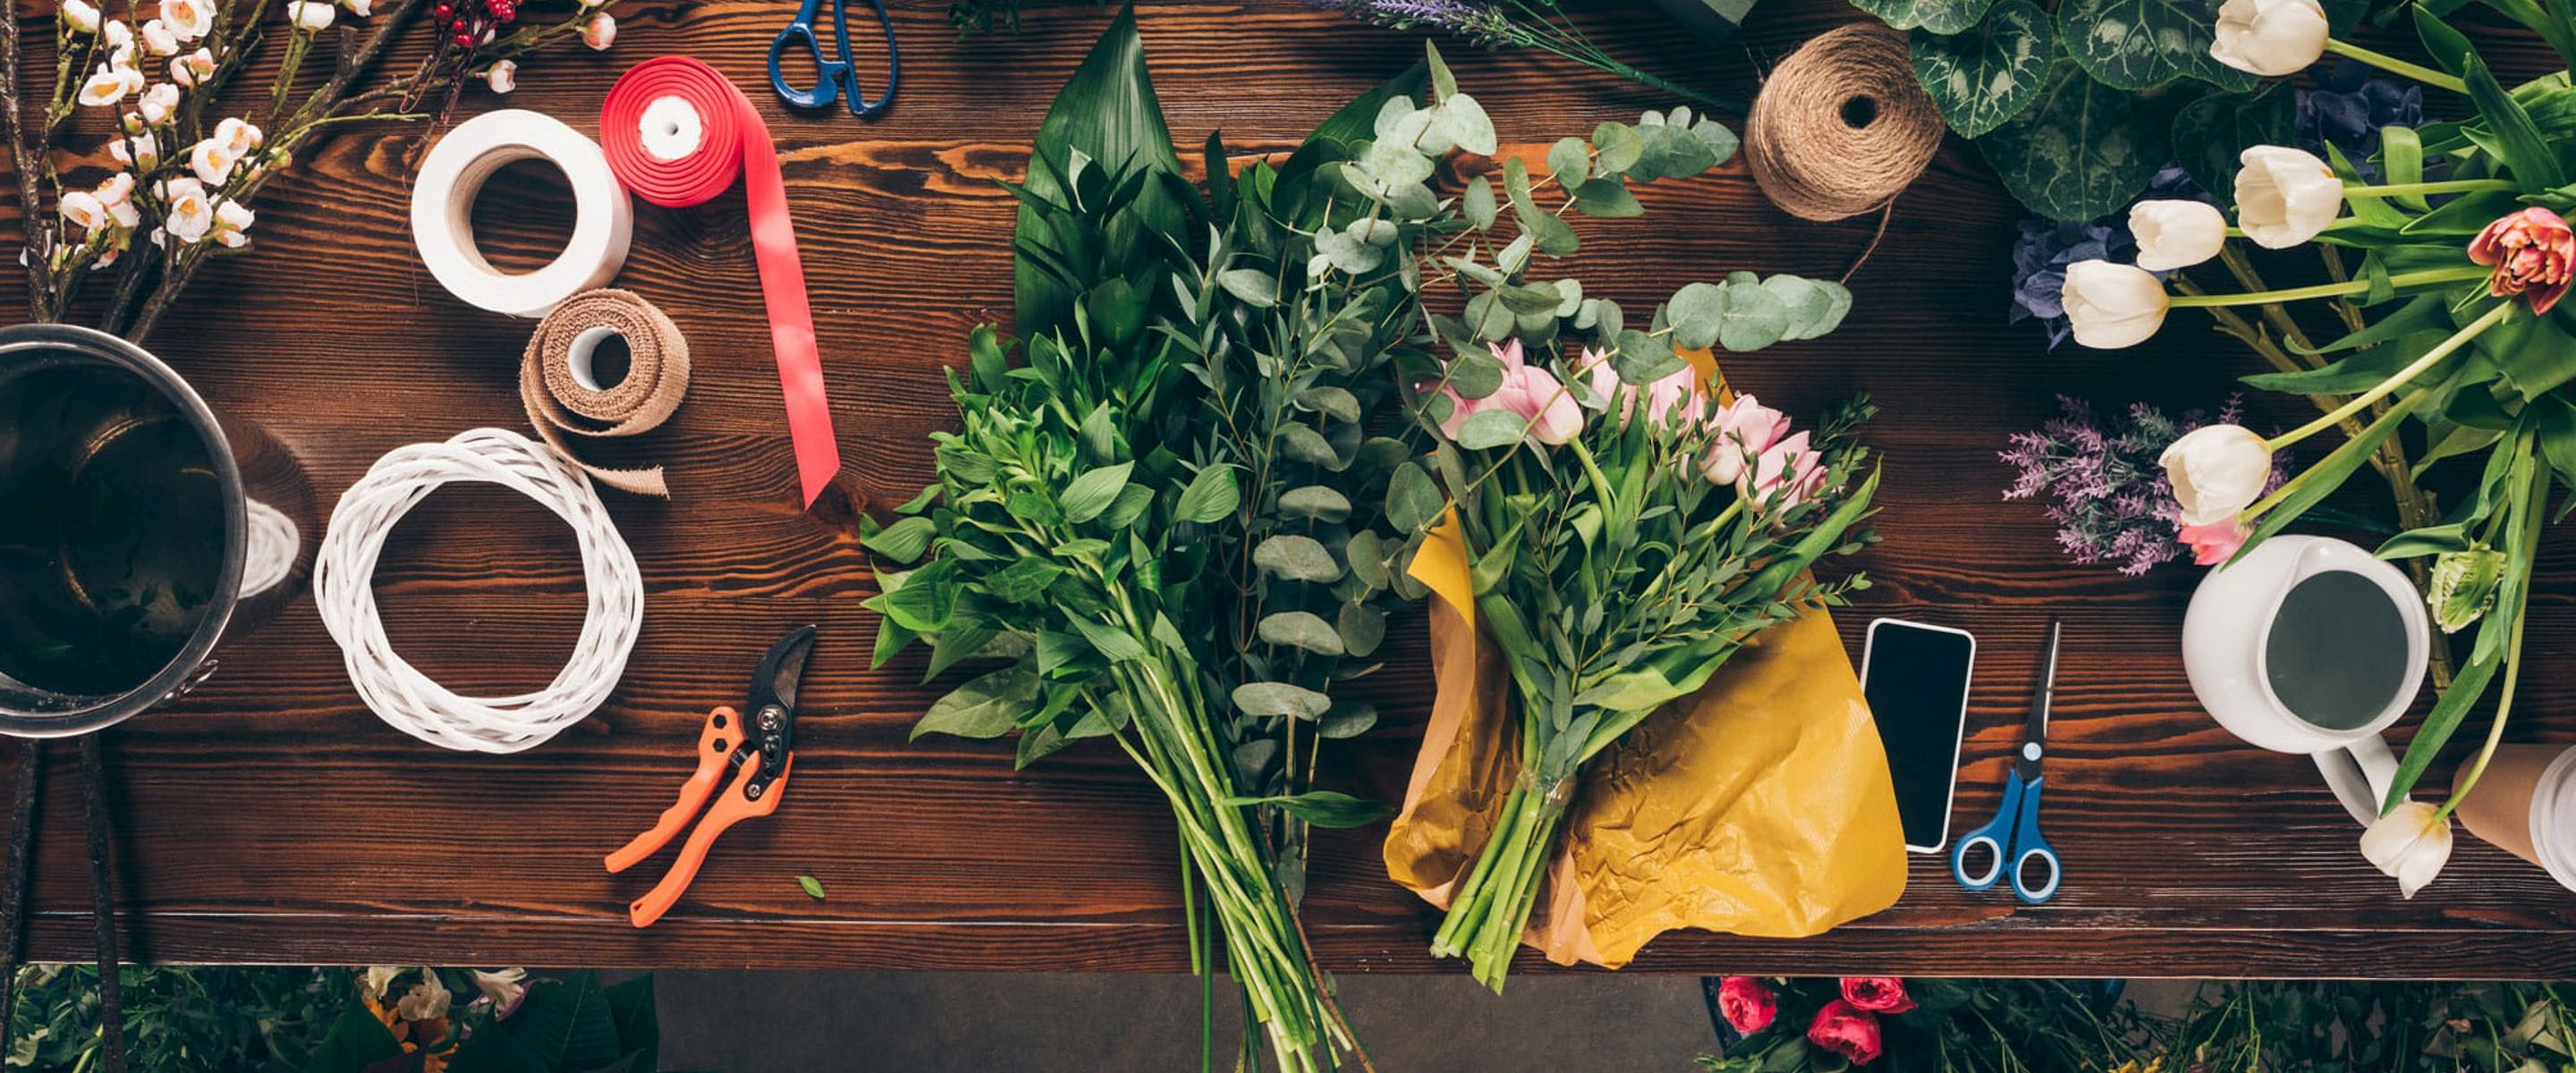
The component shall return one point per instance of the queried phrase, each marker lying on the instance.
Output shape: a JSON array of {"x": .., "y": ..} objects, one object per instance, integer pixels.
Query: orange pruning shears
[{"x": 757, "y": 750}]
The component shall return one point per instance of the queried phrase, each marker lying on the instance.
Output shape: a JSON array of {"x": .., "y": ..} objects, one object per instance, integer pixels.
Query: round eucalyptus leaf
[
  {"x": 1362, "y": 628},
  {"x": 1302, "y": 629},
  {"x": 1291, "y": 557},
  {"x": 1316, "y": 502}
]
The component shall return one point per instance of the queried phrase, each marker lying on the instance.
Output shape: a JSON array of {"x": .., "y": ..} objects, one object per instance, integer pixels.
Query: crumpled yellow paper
[{"x": 1759, "y": 805}]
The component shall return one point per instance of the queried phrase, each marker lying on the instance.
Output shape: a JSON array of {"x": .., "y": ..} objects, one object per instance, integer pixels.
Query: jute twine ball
[{"x": 1841, "y": 126}]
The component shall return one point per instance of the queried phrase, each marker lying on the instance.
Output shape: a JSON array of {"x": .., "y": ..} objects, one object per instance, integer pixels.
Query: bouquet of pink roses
[{"x": 1775, "y": 1025}]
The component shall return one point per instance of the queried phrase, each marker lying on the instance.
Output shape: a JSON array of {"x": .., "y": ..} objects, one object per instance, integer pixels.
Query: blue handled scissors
[
  {"x": 839, "y": 77},
  {"x": 2012, "y": 837}
]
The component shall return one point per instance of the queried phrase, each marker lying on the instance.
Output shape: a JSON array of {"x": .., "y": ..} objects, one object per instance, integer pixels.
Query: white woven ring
[{"x": 344, "y": 591}]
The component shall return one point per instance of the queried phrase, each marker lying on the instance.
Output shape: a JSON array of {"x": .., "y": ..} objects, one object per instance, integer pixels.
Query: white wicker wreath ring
[{"x": 344, "y": 590}]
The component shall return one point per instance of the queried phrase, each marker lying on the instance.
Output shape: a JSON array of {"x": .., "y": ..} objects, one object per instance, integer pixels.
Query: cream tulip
[
  {"x": 2271, "y": 38},
  {"x": 2410, "y": 845},
  {"x": 2285, "y": 196},
  {"x": 2112, "y": 305},
  {"x": 2216, "y": 471},
  {"x": 2176, "y": 234}
]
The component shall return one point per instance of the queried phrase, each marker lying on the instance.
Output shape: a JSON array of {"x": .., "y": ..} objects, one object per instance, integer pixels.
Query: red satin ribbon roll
[{"x": 677, "y": 134}]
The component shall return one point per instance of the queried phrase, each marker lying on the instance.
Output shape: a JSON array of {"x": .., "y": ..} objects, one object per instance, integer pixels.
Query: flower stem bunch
[{"x": 2471, "y": 345}]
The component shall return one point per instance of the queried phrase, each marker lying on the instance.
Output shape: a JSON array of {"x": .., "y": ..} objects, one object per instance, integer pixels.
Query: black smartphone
[{"x": 1916, "y": 679}]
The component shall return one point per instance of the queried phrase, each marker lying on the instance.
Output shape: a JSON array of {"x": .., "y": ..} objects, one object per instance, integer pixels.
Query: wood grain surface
[{"x": 268, "y": 817}]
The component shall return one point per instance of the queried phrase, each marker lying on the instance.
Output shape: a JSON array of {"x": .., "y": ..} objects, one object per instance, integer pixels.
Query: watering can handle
[{"x": 2360, "y": 774}]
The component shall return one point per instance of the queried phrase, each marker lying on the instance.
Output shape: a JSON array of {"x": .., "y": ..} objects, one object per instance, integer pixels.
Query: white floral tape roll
[
  {"x": 442, "y": 212},
  {"x": 344, "y": 592}
]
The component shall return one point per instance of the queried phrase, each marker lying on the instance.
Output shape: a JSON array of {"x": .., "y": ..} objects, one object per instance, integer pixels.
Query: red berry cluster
[{"x": 472, "y": 22}]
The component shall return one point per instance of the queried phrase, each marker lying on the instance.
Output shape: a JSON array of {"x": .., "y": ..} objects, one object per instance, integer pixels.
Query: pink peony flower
[
  {"x": 2215, "y": 542},
  {"x": 2534, "y": 254},
  {"x": 1846, "y": 1030},
  {"x": 1747, "y": 1003},
  {"x": 1877, "y": 994}
]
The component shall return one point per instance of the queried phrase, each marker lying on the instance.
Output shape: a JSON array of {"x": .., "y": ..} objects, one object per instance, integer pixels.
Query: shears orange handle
[{"x": 717, "y": 745}]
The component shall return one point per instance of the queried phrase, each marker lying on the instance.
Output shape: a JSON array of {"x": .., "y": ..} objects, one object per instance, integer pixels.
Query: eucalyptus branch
[{"x": 26, "y": 150}]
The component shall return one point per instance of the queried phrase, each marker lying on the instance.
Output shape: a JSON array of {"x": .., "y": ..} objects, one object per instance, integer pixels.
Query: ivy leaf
[
  {"x": 1988, "y": 74},
  {"x": 1937, "y": 16},
  {"x": 2142, "y": 44},
  {"x": 1091, "y": 494},
  {"x": 2210, "y": 134},
  {"x": 1293, "y": 557},
  {"x": 2079, "y": 151}
]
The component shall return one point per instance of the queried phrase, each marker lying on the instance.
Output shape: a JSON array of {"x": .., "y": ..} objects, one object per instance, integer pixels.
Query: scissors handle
[
  {"x": 1994, "y": 837},
  {"x": 2013, "y": 846},
  {"x": 827, "y": 87}
]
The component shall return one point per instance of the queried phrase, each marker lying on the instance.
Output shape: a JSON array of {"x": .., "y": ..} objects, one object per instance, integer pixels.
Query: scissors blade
[
  {"x": 2035, "y": 734},
  {"x": 781, "y": 671}
]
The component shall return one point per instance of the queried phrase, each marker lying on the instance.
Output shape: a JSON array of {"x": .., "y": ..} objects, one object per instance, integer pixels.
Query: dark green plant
[{"x": 177, "y": 1020}]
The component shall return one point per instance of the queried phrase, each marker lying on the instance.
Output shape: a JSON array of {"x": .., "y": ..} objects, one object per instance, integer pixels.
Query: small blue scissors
[
  {"x": 839, "y": 77},
  {"x": 2013, "y": 835}
]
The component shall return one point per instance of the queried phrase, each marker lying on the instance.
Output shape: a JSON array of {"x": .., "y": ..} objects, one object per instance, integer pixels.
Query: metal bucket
[{"x": 138, "y": 529}]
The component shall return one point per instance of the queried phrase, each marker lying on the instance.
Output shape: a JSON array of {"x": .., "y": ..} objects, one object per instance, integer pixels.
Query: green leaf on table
[
  {"x": 1295, "y": 557},
  {"x": 1468, "y": 123},
  {"x": 1301, "y": 629},
  {"x": 1108, "y": 113},
  {"x": 1570, "y": 160},
  {"x": 1091, "y": 494},
  {"x": 1413, "y": 500},
  {"x": 1990, "y": 72},
  {"x": 1309, "y": 446},
  {"x": 1280, "y": 699},
  {"x": 2143, "y": 44},
  {"x": 1478, "y": 204},
  {"x": 1322, "y": 808},
  {"x": 2430, "y": 540},
  {"x": 1349, "y": 719},
  {"x": 2530, "y": 156},
  {"x": 813, "y": 887},
  {"x": 1111, "y": 642},
  {"x": 986, "y": 707},
  {"x": 1618, "y": 146},
  {"x": 1350, "y": 255},
  {"x": 2079, "y": 151},
  {"x": 2210, "y": 134},
  {"x": 1755, "y": 318},
  {"x": 1644, "y": 359},
  {"x": 1023, "y": 581},
  {"x": 1815, "y": 306},
  {"x": 1937, "y": 16},
  {"x": 903, "y": 542},
  {"x": 1362, "y": 627},
  {"x": 1606, "y": 199}
]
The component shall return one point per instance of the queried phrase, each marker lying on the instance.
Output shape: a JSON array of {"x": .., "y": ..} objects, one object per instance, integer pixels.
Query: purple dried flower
[{"x": 2108, "y": 496}]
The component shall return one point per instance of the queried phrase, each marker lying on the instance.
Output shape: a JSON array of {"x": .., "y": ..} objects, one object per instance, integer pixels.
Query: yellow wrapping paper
[{"x": 1759, "y": 805}]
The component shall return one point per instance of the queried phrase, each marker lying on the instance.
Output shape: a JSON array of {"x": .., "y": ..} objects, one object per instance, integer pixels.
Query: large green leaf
[
  {"x": 1938, "y": 16},
  {"x": 1987, "y": 74},
  {"x": 2142, "y": 44},
  {"x": 2212, "y": 133},
  {"x": 2079, "y": 151},
  {"x": 1107, "y": 112}
]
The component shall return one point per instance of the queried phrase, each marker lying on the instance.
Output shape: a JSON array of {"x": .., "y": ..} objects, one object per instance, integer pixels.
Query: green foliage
[
  {"x": 1960, "y": 1026},
  {"x": 178, "y": 1020},
  {"x": 2075, "y": 110}
]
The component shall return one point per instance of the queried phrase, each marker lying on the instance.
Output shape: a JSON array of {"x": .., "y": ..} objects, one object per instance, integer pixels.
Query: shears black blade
[
  {"x": 771, "y": 711},
  {"x": 2035, "y": 733}
]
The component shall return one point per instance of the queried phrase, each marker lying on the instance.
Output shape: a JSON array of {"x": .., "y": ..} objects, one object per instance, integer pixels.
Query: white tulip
[
  {"x": 193, "y": 68},
  {"x": 158, "y": 40},
  {"x": 2176, "y": 234},
  {"x": 82, "y": 209},
  {"x": 107, "y": 87},
  {"x": 80, "y": 15},
  {"x": 2271, "y": 38},
  {"x": 2112, "y": 305},
  {"x": 2216, "y": 471},
  {"x": 2285, "y": 196},
  {"x": 2410, "y": 845},
  {"x": 158, "y": 104},
  {"x": 232, "y": 223},
  {"x": 600, "y": 32},
  {"x": 504, "y": 76},
  {"x": 189, "y": 19},
  {"x": 188, "y": 214},
  {"x": 311, "y": 15}
]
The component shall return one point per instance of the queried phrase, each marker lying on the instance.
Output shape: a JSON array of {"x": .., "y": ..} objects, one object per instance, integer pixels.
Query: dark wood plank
[{"x": 269, "y": 818}]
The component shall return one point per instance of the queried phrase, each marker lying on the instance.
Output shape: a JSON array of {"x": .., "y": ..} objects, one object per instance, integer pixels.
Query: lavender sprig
[
  {"x": 2110, "y": 499},
  {"x": 1537, "y": 24}
]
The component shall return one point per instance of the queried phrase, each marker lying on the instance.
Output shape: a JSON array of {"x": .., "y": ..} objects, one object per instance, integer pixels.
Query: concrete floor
[{"x": 776, "y": 1022}]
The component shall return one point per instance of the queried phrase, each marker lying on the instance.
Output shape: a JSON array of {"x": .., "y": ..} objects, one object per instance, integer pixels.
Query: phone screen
[{"x": 1916, "y": 679}]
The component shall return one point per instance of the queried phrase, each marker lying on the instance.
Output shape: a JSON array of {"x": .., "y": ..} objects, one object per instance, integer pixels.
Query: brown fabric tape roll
[
  {"x": 1841, "y": 126},
  {"x": 564, "y": 400}
]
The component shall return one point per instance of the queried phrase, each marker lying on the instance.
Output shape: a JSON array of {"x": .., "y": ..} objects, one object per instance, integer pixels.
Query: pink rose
[
  {"x": 1846, "y": 1030},
  {"x": 1877, "y": 994},
  {"x": 1680, "y": 389},
  {"x": 1743, "y": 430},
  {"x": 2215, "y": 542},
  {"x": 2534, "y": 254},
  {"x": 1747, "y": 1003}
]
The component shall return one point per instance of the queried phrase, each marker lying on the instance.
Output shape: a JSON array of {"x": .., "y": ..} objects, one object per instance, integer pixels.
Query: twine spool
[
  {"x": 1841, "y": 126},
  {"x": 560, "y": 378}
]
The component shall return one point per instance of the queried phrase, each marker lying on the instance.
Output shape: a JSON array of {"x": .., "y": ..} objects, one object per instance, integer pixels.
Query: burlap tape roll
[
  {"x": 559, "y": 378},
  {"x": 1841, "y": 126}
]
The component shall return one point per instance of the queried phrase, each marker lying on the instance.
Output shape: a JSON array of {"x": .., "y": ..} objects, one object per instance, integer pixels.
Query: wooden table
[{"x": 270, "y": 818}]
